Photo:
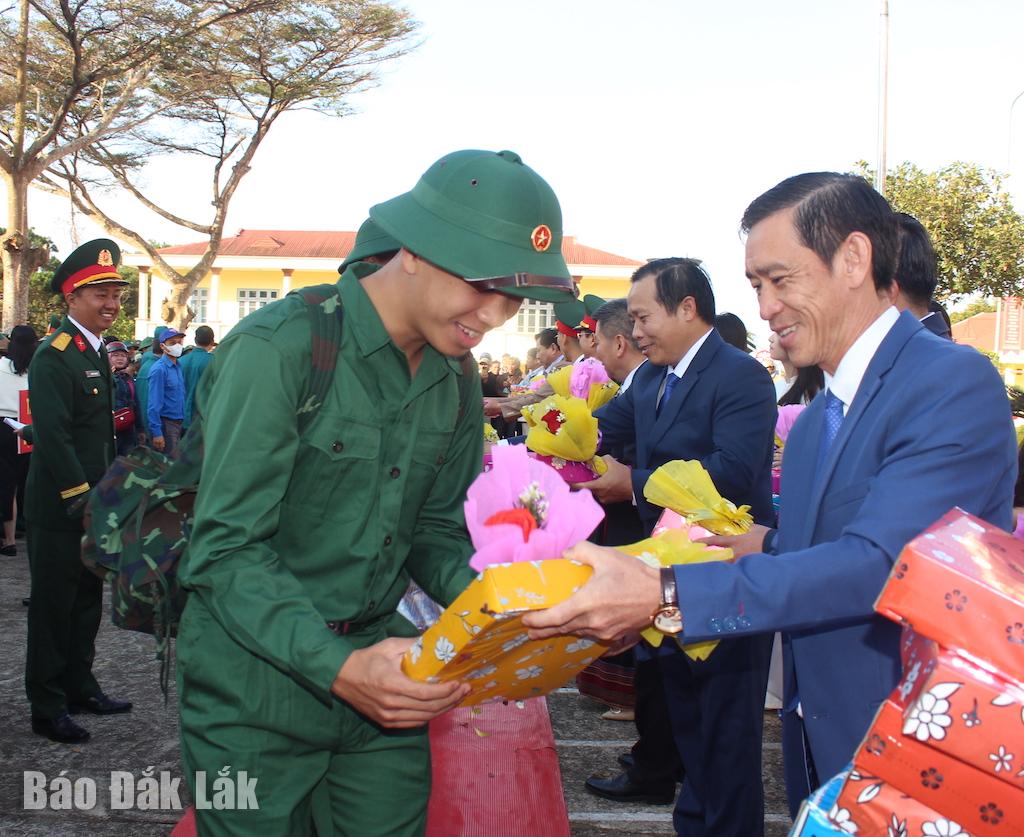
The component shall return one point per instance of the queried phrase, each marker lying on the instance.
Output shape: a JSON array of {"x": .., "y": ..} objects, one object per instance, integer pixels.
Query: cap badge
[
  {"x": 541, "y": 238},
  {"x": 105, "y": 259}
]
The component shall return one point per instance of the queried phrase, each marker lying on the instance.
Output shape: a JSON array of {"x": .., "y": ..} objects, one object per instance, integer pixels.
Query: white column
[
  {"x": 286, "y": 280},
  {"x": 156, "y": 296},
  {"x": 213, "y": 303},
  {"x": 141, "y": 321}
]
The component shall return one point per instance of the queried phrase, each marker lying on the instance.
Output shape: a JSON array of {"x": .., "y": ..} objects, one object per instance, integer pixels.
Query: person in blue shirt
[
  {"x": 165, "y": 407},
  {"x": 193, "y": 365}
]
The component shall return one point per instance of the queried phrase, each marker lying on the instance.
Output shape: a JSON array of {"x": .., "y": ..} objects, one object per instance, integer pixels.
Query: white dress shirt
[
  {"x": 850, "y": 372},
  {"x": 94, "y": 341}
]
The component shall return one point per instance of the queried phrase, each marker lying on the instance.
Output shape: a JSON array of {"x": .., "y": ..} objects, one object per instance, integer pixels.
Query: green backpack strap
[{"x": 325, "y": 319}]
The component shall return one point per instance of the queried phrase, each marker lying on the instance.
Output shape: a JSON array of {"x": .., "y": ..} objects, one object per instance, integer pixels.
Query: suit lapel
[
  {"x": 870, "y": 386},
  {"x": 670, "y": 411}
]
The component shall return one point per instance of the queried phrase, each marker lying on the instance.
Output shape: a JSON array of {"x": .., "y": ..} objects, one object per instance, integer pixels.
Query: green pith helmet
[
  {"x": 568, "y": 314},
  {"x": 93, "y": 263},
  {"x": 371, "y": 240},
  {"x": 485, "y": 217},
  {"x": 591, "y": 302}
]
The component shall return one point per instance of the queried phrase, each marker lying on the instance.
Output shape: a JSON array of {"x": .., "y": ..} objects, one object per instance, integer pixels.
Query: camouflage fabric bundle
[{"x": 140, "y": 514}]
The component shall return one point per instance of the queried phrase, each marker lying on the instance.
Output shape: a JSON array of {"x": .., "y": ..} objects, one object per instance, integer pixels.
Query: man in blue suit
[
  {"x": 699, "y": 398},
  {"x": 909, "y": 426}
]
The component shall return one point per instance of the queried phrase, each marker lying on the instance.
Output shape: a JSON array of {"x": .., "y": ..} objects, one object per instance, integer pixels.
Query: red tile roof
[{"x": 312, "y": 244}]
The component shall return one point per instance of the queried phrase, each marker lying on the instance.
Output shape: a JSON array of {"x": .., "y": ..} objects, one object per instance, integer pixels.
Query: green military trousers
[
  {"x": 63, "y": 618},
  {"x": 241, "y": 714}
]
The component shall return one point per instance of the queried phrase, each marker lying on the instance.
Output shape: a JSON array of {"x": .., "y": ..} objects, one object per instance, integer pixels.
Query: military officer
[
  {"x": 289, "y": 649},
  {"x": 71, "y": 391}
]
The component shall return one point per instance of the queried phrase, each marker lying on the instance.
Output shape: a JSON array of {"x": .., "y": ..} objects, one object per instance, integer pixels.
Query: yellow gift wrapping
[
  {"x": 563, "y": 428},
  {"x": 687, "y": 488},
  {"x": 480, "y": 638},
  {"x": 673, "y": 546}
]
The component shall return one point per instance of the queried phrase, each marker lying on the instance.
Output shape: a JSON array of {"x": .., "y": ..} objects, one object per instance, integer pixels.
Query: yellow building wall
[{"x": 604, "y": 287}]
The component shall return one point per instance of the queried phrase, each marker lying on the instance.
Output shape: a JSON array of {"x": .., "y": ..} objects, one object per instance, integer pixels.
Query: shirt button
[
  {"x": 395, "y": 472},
  {"x": 371, "y": 604},
  {"x": 387, "y": 540},
  {"x": 440, "y": 459},
  {"x": 337, "y": 446}
]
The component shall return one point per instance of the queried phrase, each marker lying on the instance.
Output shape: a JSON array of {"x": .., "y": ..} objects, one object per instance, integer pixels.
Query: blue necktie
[
  {"x": 670, "y": 384},
  {"x": 833, "y": 419}
]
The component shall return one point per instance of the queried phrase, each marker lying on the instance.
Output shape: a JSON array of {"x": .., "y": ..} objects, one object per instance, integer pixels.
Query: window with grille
[
  {"x": 534, "y": 316},
  {"x": 249, "y": 300},
  {"x": 198, "y": 302}
]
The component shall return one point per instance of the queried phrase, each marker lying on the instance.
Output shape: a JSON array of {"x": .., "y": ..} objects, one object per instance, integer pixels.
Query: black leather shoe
[
  {"x": 61, "y": 728},
  {"x": 626, "y": 760},
  {"x": 623, "y": 789},
  {"x": 99, "y": 705}
]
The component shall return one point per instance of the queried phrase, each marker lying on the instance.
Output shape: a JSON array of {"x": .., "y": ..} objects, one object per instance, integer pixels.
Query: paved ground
[{"x": 147, "y": 738}]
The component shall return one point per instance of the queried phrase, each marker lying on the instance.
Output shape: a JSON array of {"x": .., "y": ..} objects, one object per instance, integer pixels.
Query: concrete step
[{"x": 587, "y": 744}]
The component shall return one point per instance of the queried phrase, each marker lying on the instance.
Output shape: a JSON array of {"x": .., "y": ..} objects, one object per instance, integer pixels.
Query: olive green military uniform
[
  {"x": 293, "y": 532},
  {"x": 71, "y": 393}
]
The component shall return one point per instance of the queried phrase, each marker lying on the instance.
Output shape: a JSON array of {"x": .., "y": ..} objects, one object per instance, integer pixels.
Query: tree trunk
[
  {"x": 174, "y": 309},
  {"x": 19, "y": 258}
]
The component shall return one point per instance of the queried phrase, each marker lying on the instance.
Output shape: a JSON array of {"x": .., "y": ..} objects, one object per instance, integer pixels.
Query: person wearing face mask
[
  {"x": 165, "y": 408},
  {"x": 127, "y": 413}
]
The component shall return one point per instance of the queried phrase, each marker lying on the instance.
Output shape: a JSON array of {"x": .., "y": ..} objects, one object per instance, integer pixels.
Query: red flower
[
  {"x": 554, "y": 420},
  {"x": 517, "y": 517}
]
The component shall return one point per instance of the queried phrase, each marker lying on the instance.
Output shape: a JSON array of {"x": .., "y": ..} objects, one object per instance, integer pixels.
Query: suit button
[
  {"x": 387, "y": 540},
  {"x": 715, "y": 625},
  {"x": 730, "y": 623},
  {"x": 337, "y": 446},
  {"x": 395, "y": 473},
  {"x": 743, "y": 621},
  {"x": 95, "y": 391}
]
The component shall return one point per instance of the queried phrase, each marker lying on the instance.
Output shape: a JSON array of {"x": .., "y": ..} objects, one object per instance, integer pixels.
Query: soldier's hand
[
  {"x": 372, "y": 682},
  {"x": 158, "y": 442}
]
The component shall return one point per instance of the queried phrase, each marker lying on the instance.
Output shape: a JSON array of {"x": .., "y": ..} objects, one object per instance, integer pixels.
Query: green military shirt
[
  {"x": 289, "y": 531},
  {"x": 72, "y": 399}
]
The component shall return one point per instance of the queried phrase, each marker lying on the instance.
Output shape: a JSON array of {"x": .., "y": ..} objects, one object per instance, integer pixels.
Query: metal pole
[{"x": 883, "y": 96}]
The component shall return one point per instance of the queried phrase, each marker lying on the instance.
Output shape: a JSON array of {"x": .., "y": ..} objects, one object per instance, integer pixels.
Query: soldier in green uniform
[
  {"x": 71, "y": 392},
  {"x": 290, "y": 645}
]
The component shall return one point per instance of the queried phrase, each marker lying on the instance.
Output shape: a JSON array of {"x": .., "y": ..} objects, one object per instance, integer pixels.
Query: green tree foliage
[
  {"x": 978, "y": 235},
  {"x": 979, "y": 306}
]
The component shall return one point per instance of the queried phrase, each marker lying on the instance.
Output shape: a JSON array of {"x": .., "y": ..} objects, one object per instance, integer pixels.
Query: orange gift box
[
  {"x": 962, "y": 710},
  {"x": 976, "y": 800},
  {"x": 867, "y": 805},
  {"x": 961, "y": 583}
]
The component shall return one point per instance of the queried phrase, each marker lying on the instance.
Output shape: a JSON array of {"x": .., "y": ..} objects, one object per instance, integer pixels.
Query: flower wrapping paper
[
  {"x": 961, "y": 583},
  {"x": 866, "y": 805},
  {"x": 685, "y": 487},
  {"x": 480, "y": 638},
  {"x": 962, "y": 710},
  {"x": 972, "y": 800}
]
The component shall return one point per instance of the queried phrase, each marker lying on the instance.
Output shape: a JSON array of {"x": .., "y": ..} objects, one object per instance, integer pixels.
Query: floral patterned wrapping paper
[
  {"x": 965, "y": 800},
  {"x": 868, "y": 806},
  {"x": 480, "y": 638},
  {"x": 962, "y": 710},
  {"x": 961, "y": 583}
]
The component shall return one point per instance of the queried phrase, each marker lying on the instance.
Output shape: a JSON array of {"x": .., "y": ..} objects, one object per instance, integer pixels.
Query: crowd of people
[{"x": 310, "y": 523}]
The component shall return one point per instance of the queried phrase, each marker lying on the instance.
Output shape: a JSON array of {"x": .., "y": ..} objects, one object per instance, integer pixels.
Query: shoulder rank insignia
[
  {"x": 60, "y": 342},
  {"x": 80, "y": 342}
]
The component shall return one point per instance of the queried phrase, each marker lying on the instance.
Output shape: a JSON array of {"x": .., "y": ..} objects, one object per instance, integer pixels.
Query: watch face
[{"x": 668, "y": 620}]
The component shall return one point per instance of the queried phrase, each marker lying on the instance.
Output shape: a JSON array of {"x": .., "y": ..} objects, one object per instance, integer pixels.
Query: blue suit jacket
[
  {"x": 722, "y": 413},
  {"x": 928, "y": 429}
]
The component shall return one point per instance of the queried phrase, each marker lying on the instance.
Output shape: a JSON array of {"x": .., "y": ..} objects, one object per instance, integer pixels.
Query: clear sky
[{"x": 656, "y": 121}]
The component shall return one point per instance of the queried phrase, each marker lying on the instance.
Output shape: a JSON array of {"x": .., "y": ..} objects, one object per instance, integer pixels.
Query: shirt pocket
[
  {"x": 336, "y": 470},
  {"x": 428, "y": 456}
]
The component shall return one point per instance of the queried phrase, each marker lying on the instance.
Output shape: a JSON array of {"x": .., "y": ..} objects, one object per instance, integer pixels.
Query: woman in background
[{"x": 13, "y": 466}]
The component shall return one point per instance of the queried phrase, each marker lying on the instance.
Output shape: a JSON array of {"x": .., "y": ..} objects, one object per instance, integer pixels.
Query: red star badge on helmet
[{"x": 541, "y": 238}]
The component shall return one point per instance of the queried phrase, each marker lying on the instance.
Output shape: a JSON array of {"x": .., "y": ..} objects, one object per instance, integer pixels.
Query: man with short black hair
[
  {"x": 193, "y": 365},
  {"x": 917, "y": 275},
  {"x": 699, "y": 398},
  {"x": 165, "y": 404},
  {"x": 867, "y": 467}
]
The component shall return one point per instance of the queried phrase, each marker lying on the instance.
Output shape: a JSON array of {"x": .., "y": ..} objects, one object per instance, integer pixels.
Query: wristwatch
[{"x": 667, "y": 618}]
